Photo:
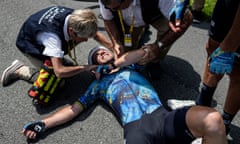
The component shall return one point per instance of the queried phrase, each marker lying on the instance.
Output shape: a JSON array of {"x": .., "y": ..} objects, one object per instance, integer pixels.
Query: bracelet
[
  {"x": 113, "y": 65},
  {"x": 160, "y": 45}
]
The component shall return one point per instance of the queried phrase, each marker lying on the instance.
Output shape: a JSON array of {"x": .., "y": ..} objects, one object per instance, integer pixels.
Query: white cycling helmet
[{"x": 92, "y": 52}]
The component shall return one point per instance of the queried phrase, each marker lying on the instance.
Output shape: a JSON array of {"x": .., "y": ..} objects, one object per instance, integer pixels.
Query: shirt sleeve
[
  {"x": 106, "y": 13},
  {"x": 52, "y": 44},
  {"x": 166, "y": 6},
  {"x": 90, "y": 96}
]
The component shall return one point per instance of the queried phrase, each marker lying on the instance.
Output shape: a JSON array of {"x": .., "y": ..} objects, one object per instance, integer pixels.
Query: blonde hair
[{"x": 83, "y": 22}]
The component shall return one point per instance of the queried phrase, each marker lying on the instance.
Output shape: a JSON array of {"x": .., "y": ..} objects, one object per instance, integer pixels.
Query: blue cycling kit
[
  {"x": 126, "y": 91},
  {"x": 137, "y": 105}
]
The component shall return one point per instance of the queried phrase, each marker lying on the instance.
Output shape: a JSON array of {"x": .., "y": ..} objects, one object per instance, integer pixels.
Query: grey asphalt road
[{"x": 180, "y": 78}]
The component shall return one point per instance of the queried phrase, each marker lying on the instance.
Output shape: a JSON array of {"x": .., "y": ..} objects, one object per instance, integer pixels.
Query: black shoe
[
  {"x": 153, "y": 70},
  {"x": 227, "y": 129},
  {"x": 198, "y": 16}
]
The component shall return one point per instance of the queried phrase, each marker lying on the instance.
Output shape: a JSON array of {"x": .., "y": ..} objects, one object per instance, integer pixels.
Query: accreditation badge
[{"x": 127, "y": 40}]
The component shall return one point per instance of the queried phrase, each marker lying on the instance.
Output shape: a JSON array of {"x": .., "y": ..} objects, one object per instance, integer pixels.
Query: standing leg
[
  {"x": 197, "y": 7},
  {"x": 210, "y": 80},
  {"x": 232, "y": 102}
]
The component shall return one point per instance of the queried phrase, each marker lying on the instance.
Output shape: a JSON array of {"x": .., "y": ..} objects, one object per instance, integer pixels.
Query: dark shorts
[
  {"x": 159, "y": 127},
  {"x": 222, "y": 18}
]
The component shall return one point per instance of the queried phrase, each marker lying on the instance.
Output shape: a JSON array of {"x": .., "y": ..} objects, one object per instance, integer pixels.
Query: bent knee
[
  {"x": 213, "y": 123},
  {"x": 209, "y": 121}
]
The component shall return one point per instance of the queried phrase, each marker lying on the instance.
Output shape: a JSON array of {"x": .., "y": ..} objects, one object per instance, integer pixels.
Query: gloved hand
[
  {"x": 178, "y": 10},
  {"x": 102, "y": 70},
  {"x": 38, "y": 127},
  {"x": 221, "y": 62}
]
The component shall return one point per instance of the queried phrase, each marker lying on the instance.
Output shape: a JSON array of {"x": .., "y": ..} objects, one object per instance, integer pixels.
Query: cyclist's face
[{"x": 102, "y": 56}]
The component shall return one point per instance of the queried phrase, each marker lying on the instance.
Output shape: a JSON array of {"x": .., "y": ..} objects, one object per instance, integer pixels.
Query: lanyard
[
  {"x": 72, "y": 45},
  {"x": 122, "y": 25}
]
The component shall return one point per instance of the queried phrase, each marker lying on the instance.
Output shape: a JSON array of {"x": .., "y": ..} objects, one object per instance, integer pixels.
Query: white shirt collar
[
  {"x": 65, "y": 29},
  {"x": 134, "y": 2}
]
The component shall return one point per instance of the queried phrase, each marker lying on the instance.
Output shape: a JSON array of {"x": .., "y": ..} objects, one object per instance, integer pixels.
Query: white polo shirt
[
  {"x": 52, "y": 42},
  {"x": 134, "y": 8}
]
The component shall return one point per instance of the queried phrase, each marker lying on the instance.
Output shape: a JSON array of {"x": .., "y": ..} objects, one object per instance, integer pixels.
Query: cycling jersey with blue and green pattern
[{"x": 126, "y": 91}]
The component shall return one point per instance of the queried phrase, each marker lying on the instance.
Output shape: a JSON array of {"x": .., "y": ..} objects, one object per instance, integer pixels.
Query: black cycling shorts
[
  {"x": 159, "y": 127},
  {"x": 222, "y": 18}
]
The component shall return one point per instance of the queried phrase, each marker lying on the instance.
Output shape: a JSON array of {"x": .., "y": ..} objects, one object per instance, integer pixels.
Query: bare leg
[
  {"x": 232, "y": 102},
  {"x": 207, "y": 123},
  {"x": 209, "y": 78}
]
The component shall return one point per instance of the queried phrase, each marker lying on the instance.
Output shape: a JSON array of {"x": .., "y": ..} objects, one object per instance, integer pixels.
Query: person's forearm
[
  {"x": 130, "y": 58},
  {"x": 63, "y": 115},
  {"x": 170, "y": 36},
  {"x": 112, "y": 31},
  {"x": 63, "y": 71},
  {"x": 232, "y": 40},
  {"x": 103, "y": 40},
  {"x": 69, "y": 71}
]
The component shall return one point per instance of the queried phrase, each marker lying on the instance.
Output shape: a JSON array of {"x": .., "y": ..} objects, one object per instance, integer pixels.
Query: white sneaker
[
  {"x": 176, "y": 104},
  {"x": 197, "y": 141},
  {"x": 9, "y": 74},
  {"x": 229, "y": 137}
]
